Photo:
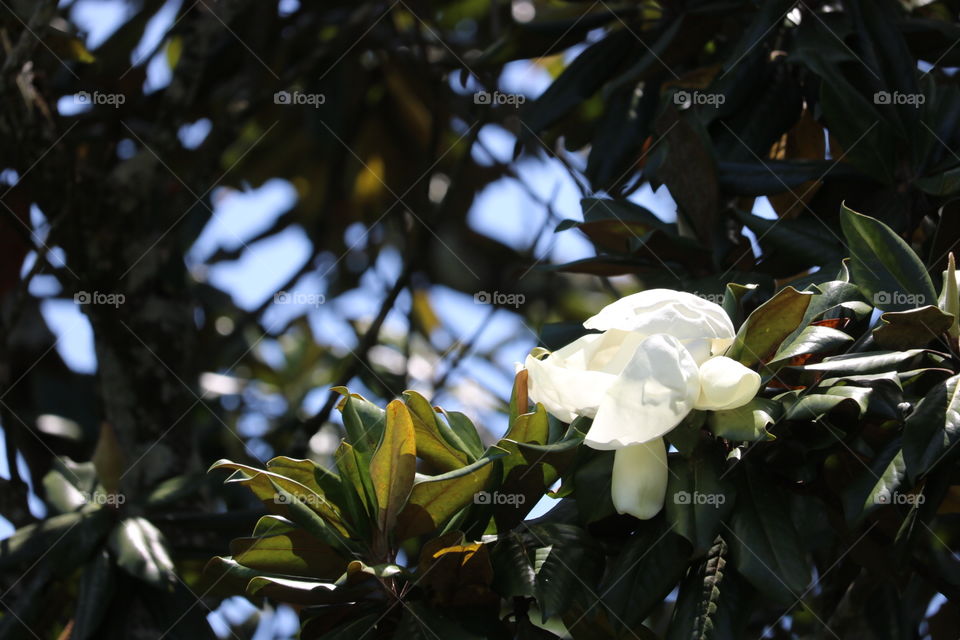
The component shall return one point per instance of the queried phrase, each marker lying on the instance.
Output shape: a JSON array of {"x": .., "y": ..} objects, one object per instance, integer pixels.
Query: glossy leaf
[
  {"x": 465, "y": 435},
  {"x": 512, "y": 567},
  {"x": 567, "y": 564},
  {"x": 699, "y": 496},
  {"x": 813, "y": 340},
  {"x": 61, "y": 494},
  {"x": 747, "y": 423},
  {"x": 432, "y": 445},
  {"x": 359, "y": 498},
  {"x": 816, "y": 405},
  {"x": 299, "y": 510},
  {"x": 868, "y": 362},
  {"x": 293, "y": 552},
  {"x": 299, "y": 591},
  {"x": 884, "y": 266},
  {"x": 766, "y": 328},
  {"x": 912, "y": 328},
  {"x": 933, "y": 429},
  {"x": 141, "y": 551},
  {"x": 434, "y": 499},
  {"x": 647, "y": 568},
  {"x": 765, "y": 544},
  {"x": 262, "y": 483},
  {"x": 30, "y": 542},
  {"x": 878, "y": 484},
  {"x": 226, "y": 576},
  {"x": 363, "y": 420},
  {"x": 308, "y": 473}
]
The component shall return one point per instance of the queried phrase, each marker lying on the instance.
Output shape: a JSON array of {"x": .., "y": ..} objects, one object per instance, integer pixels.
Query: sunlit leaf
[{"x": 394, "y": 464}]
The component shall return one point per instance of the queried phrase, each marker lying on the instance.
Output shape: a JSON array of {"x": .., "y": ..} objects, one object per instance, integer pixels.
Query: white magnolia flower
[{"x": 656, "y": 359}]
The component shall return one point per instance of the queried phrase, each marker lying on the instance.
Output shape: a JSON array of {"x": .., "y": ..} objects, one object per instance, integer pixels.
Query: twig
[{"x": 360, "y": 353}]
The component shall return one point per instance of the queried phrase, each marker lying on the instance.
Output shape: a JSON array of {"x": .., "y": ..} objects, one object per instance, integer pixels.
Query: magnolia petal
[
  {"x": 562, "y": 383},
  {"x": 654, "y": 394},
  {"x": 700, "y": 349},
  {"x": 726, "y": 384},
  {"x": 719, "y": 345},
  {"x": 613, "y": 350},
  {"x": 678, "y": 313},
  {"x": 639, "y": 482}
]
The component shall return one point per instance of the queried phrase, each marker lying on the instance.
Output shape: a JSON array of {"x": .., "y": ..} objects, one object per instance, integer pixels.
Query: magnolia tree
[
  {"x": 711, "y": 472},
  {"x": 770, "y": 454}
]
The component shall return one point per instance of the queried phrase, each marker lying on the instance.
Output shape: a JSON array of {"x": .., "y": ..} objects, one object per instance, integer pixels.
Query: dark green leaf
[
  {"x": 774, "y": 176},
  {"x": 580, "y": 80},
  {"x": 646, "y": 570},
  {"x": 868, "y": 362},
  {"x": 433, "y": 445},
  {"x": 746, "y": 423},
  {"x": 766, "y": 547},
  {"x": 877, "y": 485},
  {"x": 513, "y": 573},
  {"x": 94, "y": 594},
  {"x": 933, "y": 429},
  {"x": 568, "y": 564},
  {"x": 698, "y": 496},
  {"x": 363, "y": 420},
  {"x": 359, "y": 498},
  {"x": 884, "y": 266},
  {"x": 913, "y": 328},
  {"x": 465, "y": 434}
]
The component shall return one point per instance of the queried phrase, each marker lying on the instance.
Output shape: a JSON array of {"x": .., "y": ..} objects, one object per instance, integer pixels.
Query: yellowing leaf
[
  {"x": 423, "y": 311},
  {"x": 394, "y": 464},
  {"x": 370, "y": 179},
  {"x": 174, "y": 51},
  {"x": 79, "y": 52},
  {"x": 805, "y": 141}
]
